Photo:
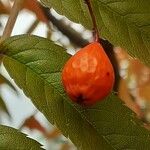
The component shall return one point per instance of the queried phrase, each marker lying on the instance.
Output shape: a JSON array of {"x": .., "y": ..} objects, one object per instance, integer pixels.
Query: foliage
[
  {"x": 123, "y": 23},
  {"x": 12, "y": 139},
  {"x": 35, "y": 64}
]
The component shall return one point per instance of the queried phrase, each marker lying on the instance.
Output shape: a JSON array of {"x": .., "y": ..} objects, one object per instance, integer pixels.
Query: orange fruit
[{"x": 88, "y": 76}]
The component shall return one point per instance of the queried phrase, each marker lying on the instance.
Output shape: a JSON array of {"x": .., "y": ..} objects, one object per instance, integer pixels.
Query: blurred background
[{"x": 16, "y": 110}]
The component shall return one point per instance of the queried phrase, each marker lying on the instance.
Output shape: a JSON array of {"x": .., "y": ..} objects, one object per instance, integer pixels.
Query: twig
[
  {"x": 108, "y": 47},
  {"x": 96, "y": 34},
  {"x": 49, "y": 33},
  {"x": 49, "y": 27},
  {"x": 73, "y": 35},
  {"x": 12, "y": 19},
  {"x": 32, "y": 27}
]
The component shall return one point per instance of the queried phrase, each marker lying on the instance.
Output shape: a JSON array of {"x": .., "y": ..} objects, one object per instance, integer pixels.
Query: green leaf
[
  {"x": 12, "y": 139},
  {"x": 124, "y": 23},
  {"x": 75, "y": 10},
  {"x": 3, "y": 107},
  {"x": 35, "y": 64}
]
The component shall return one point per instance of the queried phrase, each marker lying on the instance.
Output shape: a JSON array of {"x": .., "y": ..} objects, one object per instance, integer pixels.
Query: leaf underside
[
  {"x": 12, "y": 139},
  {"x": 124, "y": 23},
  {"x": 35, "y": 64}
]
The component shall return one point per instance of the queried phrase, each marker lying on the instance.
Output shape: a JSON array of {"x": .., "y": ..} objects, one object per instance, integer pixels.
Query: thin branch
[
  {"x": 12, "y": 19},
  {"x": 49, "y": 27},
  {"x": 49, "y": 33},
  {"x": 73, "y": 35},
  {"x": 96, "y": 34},
  {"x": 108, "y": 47},
  {"x": 32, "y": 27}
]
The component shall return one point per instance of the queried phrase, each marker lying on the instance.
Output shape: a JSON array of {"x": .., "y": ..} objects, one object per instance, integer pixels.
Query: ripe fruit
[{"x": 88, "y": 76}]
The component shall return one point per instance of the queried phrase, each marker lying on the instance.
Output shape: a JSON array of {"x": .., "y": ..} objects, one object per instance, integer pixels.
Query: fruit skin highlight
[{"x": 88, "y": 76}]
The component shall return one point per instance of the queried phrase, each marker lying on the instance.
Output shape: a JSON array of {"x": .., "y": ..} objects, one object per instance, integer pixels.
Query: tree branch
[
  {"x": 74, "y": 36},
  {"x": 32, "y": 27},
  {"x": 12, "y": 19},
  {"x": 96, "y": 34}
]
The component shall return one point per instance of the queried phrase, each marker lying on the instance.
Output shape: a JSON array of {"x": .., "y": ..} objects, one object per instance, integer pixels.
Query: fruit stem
[{"x": 95, "y": 29}]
